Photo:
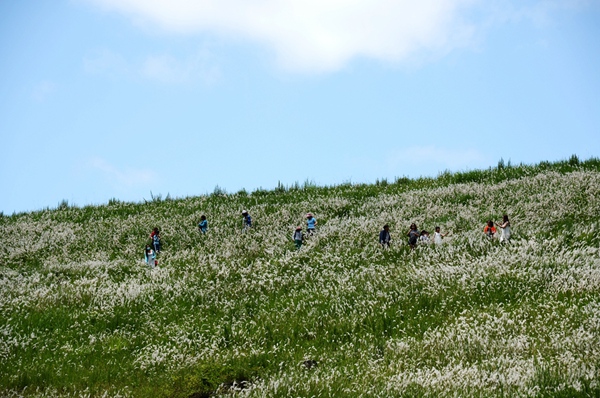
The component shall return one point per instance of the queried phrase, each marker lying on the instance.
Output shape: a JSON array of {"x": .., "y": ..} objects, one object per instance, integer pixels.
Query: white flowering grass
[{"x": 246, "y": 314}]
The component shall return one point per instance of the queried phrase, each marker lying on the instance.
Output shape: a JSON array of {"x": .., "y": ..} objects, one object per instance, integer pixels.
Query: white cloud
[
  {"x": 324, "y": 35},
  {"x": 126, "y": 178},
  {"x": 315, "y": 35},
  {"x": 424, "y": 157}
]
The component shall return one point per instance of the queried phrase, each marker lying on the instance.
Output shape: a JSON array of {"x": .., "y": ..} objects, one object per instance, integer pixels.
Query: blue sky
[{"x": 110, "y": 99}]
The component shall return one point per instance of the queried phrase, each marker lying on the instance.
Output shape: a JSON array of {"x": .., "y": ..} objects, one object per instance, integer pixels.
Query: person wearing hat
[
  {"x": 311, "y": 223},
  {"x": 247, "y": 220},
  {"x": 384, "y": 236},
  {"x": 298, "y": 237}
]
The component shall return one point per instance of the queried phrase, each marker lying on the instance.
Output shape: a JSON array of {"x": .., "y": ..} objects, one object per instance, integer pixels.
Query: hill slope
[{"x": 247, "y": 314}]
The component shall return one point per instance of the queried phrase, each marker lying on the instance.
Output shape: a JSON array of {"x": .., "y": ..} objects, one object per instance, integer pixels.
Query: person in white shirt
[
  {"x": 438, "y": 236},
  {"x": 504, "y": 229}
]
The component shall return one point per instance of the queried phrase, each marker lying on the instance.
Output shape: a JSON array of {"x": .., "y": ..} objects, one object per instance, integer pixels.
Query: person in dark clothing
[
  {"x": 413, "y": 235},
  {"x": 298, "y": 237},
  {"x": 384, "y": 236},
  {"x": 203, "y": 224},
  {"x": 247, "y": 220}
]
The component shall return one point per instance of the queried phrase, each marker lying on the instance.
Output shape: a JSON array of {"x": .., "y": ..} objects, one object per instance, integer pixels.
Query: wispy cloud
[
  {"x": 165, "y": 68},
  {"x": 42, "y": 90},
  {"x": 106, "y": 62},
  {"x": 540, "y": 13},
  {"x": 168, "y": 69},
  {"x": 123, "y": 178}
]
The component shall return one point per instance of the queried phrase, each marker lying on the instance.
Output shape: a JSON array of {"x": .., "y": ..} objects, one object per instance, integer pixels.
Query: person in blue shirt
[
  {"x": 384, "y": 236},
  {"x": 203, "y": 224},
  {"x": 155, "y": 236},
  {"x": 311, "y": 223},
  {"x": 150, "y": 256},
  {"x": 247, "y": 220}
]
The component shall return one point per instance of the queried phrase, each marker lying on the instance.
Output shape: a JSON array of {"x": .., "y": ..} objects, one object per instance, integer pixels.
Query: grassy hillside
[{"x": 248, "y": 315}]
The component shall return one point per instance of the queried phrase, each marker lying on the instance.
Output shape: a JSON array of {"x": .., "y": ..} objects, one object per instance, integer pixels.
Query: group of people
[
  {"x": 153, "y": 248},
  {"x": 311, "y": 226},
  {"x": 414, "y": 235},
  {"x": 246, "y": 222},
  {"x": 490, "y": 229},
  {"x": 298, "y": 236}
]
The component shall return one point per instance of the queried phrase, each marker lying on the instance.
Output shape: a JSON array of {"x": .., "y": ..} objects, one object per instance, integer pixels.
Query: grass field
[{"x": 245, "y": 314}]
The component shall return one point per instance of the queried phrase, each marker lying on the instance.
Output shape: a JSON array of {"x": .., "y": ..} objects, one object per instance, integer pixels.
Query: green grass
[{"x": 231, "y": 313}]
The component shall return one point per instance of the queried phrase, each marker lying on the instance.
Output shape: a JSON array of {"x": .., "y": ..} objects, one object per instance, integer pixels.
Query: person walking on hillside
[
  {"x": 155, "y": 237},
  {"x": 298, "y": 237},
  {"x": 438, "y": 236},
  {"x": 424, "y": 237},
  {"x": 247, "y": 221},
  {"x": 385, "y": 237},
  {"x": 489, "y": 230},
  {"x": 413, "y": 235},
  {"x": 149, "y": 256},
  {"x": 203, "y": 224},
  {"x": 311, "y": 223},
  {"x": 504, "y": 229}
]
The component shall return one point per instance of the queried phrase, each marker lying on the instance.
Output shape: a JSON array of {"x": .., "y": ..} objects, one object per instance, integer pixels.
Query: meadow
[{"x": 247, "y": 315}]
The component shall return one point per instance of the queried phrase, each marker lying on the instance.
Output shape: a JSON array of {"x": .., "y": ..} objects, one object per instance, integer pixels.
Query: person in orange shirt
[{"x": 489, "y": 230}]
